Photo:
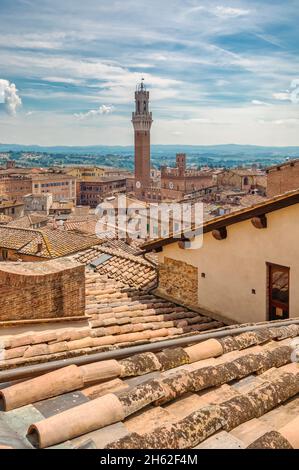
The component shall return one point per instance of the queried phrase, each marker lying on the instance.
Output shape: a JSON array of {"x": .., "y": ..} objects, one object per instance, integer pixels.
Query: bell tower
[{"x": 142, "y": 122}]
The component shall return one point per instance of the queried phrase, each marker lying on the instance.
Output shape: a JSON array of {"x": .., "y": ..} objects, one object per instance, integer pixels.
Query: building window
[{"x": 278, "y": 291}]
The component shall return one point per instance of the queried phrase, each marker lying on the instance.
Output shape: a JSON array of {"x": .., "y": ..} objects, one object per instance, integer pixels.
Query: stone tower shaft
[{"x": 142, "y": 122}]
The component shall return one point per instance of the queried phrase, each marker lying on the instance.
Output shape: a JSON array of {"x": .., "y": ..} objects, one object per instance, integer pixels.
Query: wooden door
[{"x": 279, "y": 280}]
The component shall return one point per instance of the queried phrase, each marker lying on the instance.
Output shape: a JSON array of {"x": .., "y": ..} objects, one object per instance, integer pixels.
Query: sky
[{"x": 218, "y": 72}]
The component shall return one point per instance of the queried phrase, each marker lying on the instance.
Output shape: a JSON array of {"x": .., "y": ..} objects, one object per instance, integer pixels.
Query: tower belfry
[{"x": 142, "y": 122}]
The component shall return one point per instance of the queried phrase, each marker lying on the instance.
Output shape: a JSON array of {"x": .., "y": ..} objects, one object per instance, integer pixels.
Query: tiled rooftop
[
  {"x": 117, "y": 317},
  {"x": 121, "y": 264},
  {"x": 5, "y": 219},
  {"x": 234, "y": 392},
  {"x": 29, "y": 221},
  {"x": 45, "y": 243}
]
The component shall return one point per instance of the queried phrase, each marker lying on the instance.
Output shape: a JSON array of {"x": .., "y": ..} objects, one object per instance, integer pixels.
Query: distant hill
[
  {"x": 229, "y": 155},
  {"x": 225, "y": 149}
]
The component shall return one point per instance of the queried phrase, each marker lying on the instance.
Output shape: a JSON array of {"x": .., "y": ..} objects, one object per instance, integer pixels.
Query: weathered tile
[
  {"x": 56, "y": 405},
  {"x": 221, "y": 440}
]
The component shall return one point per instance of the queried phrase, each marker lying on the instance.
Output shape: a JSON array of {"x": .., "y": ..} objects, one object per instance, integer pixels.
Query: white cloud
[
  {"x": 33, "y": 41},
  {"x": 95, "y": 112},
  {"x": 228, "y": 12},
  {"x": 9, "y": 97},
  {"x": 222, "y": 82},
  {"x": 176, "y": 133},
  {"x": 71, "y": 81},
  {"x": 220, "y": 11},
  {"x": 279, "y": 122},
  {"x": 289, "y": 95},
  {"x": 259, "y": 103},
  {"x": 282, "y": 96}
]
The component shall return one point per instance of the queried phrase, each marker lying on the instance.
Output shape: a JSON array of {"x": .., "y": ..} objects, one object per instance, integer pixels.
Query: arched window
[{"x": 246, "y": 181}]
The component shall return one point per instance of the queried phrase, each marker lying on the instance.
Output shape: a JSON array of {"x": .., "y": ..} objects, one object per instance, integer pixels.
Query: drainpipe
[{"x": 38, "y": 369}]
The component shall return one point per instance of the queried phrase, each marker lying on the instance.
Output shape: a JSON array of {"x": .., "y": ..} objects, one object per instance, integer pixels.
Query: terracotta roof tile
[
  {"x": 173, "y": 399},
  {"x": 127, "y": 268},
  {"x": 44, "y": 243},
  {"x": 29, "y": 221}
]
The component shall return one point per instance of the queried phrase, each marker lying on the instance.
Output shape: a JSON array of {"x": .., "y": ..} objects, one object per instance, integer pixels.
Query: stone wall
[
  {"x": 179, "y": 280},
  {"x": 44, "y": 290},
  {"x": 283, "y": 179}
]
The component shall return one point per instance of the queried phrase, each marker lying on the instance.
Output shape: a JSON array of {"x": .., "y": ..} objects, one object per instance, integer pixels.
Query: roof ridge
[
  {"x": 47, "y": 243},
  {"x": 123, "y": 254},
  {"x": 22, "y": 228}
]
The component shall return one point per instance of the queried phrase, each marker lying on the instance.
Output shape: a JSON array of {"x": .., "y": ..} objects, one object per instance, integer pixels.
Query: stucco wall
[{"x": 236, "y": 265}]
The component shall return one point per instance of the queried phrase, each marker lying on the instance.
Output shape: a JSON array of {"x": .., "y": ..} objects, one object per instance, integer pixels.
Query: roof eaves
[{"x": 270, "y": 205}]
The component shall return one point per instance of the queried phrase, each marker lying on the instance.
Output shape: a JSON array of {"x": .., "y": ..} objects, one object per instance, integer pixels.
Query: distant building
[
  {"x": 179, "y": 181},
  {"x": 92, "y": 192},
  {"x": 61, "y": 186},
  {"x": 61, "y": 207},
  {"x": 38, "y": 202},
  {"x": 23, "y": 244},
  {"x": 117, "y": 172},
  {"x": 85, "y": 173},
  {"x": 12, "y": 209},
  {"x": 282, "y": 178},
  {"x": 150, "y": 184},
  {"x": 242, "y": 179},
  {"x": 30, "y": 221},
  {"x": 15, "y": 183},
  {"x": 14, "y": 187},
  {"x": 142, "y": 123},
  {"x": 10, "y": 164},
  {"x": 130, "y": 184}
]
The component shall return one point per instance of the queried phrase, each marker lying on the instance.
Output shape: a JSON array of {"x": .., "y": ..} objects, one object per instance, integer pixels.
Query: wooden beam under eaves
[
  {"x": 259, "y": 222},
  {"x": 220, "y": 234},
  {"x": 185, "y": 242}
]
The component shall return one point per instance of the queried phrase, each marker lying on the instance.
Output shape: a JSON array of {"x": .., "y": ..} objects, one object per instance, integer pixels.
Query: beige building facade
[
  {"x": 241, "y": 272},
  {"x": 62, "y": 187},
  {"x": 86, "y": 173},
  {"x": 38, "y": 202},
  {"x": 243, "y": 179}
]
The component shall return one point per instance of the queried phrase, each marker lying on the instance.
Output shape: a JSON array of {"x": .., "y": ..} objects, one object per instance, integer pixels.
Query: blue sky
[{"x": 218, "y": 71}]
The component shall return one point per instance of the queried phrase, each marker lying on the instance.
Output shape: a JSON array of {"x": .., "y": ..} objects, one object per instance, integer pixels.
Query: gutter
[{"x": 38, "y": 369}]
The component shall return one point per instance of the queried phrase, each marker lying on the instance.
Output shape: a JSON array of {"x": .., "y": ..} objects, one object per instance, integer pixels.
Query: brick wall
[
  {"x": 282, "y": 180},
  {"x": 14, "y": 188},
  {"x": 51, "y": 289},
  {"x": 175, "y": 187},
  {"x": 178, "y": 280}
]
